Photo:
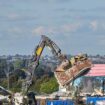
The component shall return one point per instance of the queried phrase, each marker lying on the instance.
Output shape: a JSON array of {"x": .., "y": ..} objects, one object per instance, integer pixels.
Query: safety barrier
[
  {"x": 95, "y": 101},
  {"x": 59, "y": 102}
]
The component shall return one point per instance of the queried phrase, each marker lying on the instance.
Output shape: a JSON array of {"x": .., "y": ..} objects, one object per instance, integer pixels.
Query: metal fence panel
[
  {"x": 59, "y": 102},
  {"x": 95, "y": 100}
]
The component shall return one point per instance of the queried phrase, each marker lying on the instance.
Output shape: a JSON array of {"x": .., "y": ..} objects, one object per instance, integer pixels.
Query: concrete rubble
[{"x": 65, "y": 77}]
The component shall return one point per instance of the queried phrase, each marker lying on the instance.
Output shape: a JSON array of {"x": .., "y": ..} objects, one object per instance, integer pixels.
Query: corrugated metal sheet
[{"x": 97, "y": 70}]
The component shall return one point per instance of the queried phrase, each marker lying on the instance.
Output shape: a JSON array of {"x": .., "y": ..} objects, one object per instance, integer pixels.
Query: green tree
[
  {"x": 18, "y": 64},
  {"x": 49, "y": 86},
  {"x": 3, "y": 68},
  {"x": 4, "y": 83},
  {"x": 17, "y": 86},
  {"x": 3, "y": 63}
]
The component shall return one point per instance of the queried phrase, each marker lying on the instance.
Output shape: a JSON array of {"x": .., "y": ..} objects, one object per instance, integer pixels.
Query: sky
[{"x": 76, "y": 26}]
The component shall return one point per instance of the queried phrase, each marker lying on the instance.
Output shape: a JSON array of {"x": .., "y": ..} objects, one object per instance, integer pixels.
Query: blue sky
[{"x": 75, "y": 25}]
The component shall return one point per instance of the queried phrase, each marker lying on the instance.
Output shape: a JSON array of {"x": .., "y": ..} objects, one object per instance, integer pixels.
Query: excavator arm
[{"x": 45, "y": 42}]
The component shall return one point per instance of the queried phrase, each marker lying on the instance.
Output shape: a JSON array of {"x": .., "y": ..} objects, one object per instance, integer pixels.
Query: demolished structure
[{"x": 65, "y": 77}]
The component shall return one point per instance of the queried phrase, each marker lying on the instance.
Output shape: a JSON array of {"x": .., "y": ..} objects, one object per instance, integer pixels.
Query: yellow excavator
[{"x": 66, "y": 72}]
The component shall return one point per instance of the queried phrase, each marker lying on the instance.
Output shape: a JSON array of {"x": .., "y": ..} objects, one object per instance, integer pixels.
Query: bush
[{"x": 49, "y": 86}]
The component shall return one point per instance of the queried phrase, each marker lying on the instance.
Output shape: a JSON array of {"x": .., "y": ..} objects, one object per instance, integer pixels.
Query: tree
[
  {"x": 49, "y": 86},
  {"x": 18, "y": 64},
  {"x": 3, "y": 68}
]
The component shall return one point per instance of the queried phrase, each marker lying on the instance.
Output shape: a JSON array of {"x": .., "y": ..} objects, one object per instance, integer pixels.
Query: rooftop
[{"x": 97, "y": 70}]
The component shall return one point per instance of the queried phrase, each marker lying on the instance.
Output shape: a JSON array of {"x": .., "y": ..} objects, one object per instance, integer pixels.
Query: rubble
[{"x": 72, "y": 73}]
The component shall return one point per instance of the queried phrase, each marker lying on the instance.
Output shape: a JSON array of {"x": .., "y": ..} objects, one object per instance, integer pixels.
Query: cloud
[
  {"x": 15, "y": 30},
  {"x": 42, "y": 30},
  {"x": 20, "y": 17},
  {"x": 98, "y": 26},
  {"x": 66, "y": 28},
  {"x": 1, "y": 35},
  {"x": 84, "y": 10},
  {"x": 103, "y": 25},
  {"x": 56, "y": 0},
  {"x": 94, "y": 25},
  {"x": 71, "y": 27},
  {"x": 13, "y": 16},
  {"x": 102, "y": 40},
  {"x": 38, "y": 30}
]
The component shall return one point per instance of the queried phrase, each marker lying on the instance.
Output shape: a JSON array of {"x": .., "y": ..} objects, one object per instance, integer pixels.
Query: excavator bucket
[{"x": 64, "y": 77}]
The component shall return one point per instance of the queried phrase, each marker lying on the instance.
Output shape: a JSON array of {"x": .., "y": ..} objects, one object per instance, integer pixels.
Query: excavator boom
[{"x": 45, "y": 42}]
